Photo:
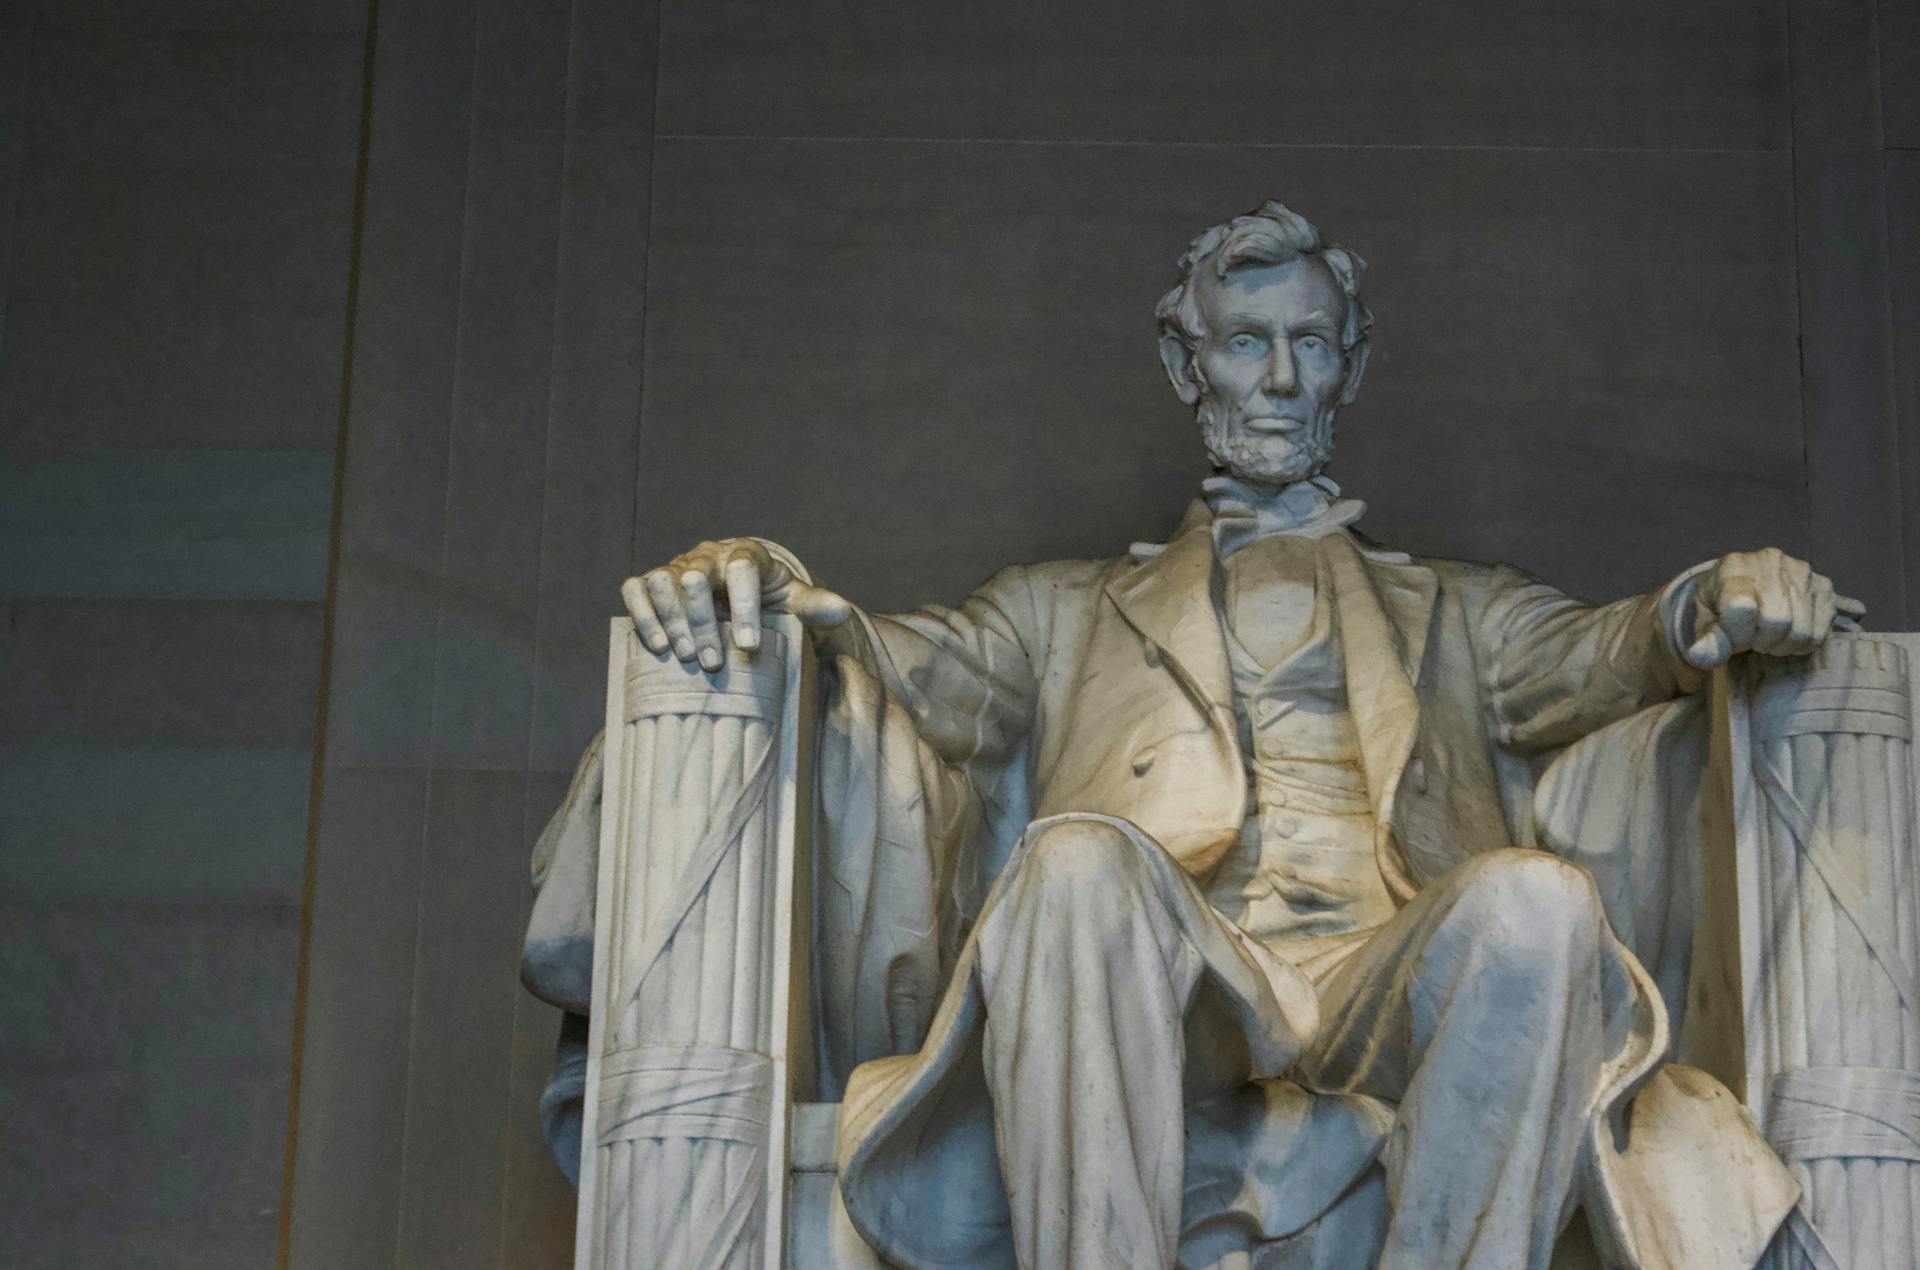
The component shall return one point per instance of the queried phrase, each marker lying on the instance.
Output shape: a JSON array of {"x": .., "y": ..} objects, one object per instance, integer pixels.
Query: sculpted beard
[{"x": 1264, "y": 460}]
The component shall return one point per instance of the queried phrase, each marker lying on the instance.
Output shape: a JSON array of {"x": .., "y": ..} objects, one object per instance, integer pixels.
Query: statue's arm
[
  {"x": 556, "y": 962},
  {"x": 1555, "y": 668},
  {"x": 965, "y": 675}
]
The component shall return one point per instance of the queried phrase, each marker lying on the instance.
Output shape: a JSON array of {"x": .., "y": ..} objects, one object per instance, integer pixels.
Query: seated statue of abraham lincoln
[{"x": 1184, "y": 907}]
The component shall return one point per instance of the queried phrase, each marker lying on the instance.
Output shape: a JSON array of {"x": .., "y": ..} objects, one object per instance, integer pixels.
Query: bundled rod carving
[
  {"x": 687, "y": 1095},
  {"x": 1830, "y": 934}
]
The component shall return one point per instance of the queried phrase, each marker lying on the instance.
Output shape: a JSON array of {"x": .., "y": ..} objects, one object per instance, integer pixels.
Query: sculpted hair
[{"x": 1271, "y": 234}]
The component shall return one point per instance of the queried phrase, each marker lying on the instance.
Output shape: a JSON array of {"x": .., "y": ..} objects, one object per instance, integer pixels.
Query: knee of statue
[
  {"x": 1079, "y": 859},
  {"x": 1529, "y": 901}
]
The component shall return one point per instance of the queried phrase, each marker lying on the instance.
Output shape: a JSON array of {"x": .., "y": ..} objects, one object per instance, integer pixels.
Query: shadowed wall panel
[
  {"x": 1903, "y": 244},
  {"x": 179, "y": 269},
  {"x": 1897, "y": 31},
  {"x": 913, "y": 362},
  {"x": 1840, "y": 216},
  {"x": 1638, "y": 74},
  {"x": 347, "y": 1194},
  {"x": 165, "y": 524},
  {"x": 176, "y": 186},
  {"x": 489, "y": 494}
]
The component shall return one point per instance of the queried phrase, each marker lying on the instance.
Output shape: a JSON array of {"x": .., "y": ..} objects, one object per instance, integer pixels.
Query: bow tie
[{"x": 1311, "y": 508}]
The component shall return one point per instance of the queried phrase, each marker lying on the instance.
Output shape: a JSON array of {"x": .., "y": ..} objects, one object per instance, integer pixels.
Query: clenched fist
[
  {"x": 1765, "y": 602},
  {"x": 673, "y": 606}
]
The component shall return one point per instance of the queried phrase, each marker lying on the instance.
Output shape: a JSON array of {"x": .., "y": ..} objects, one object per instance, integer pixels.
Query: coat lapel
[
  {"x": 1385, "y": 609},
  {"x": 1169, "y": 600}
]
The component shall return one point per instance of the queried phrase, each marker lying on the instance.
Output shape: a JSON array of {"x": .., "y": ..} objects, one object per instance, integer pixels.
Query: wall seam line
[
  {"x": 316, "y": 780},
  {"x": 516, "y": 991},
  {"x": 1891, "y": 422},
  {"x": 654, "y": 137},
  {"x": 1799, "y": 293},
  {"x": 1111, "y": 143},
  {"x": 439, "y": 630}
]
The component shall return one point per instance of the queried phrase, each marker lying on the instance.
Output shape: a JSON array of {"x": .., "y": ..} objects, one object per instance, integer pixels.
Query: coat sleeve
[
  {"x": 967, "y": 676},
  {"x": 1555, "y": 669},
  {"x": 556, "y": 962}
]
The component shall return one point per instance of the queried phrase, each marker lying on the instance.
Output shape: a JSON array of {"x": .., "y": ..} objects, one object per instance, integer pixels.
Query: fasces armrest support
[
  {"x": 698, "y": 1020},
  {"x": 1810, "y": 930}
]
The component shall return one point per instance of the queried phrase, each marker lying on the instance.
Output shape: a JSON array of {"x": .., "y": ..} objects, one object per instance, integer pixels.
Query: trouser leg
[
  {"x": 1087, "y": 979},
  {"x": 1480, "y": 1010}
]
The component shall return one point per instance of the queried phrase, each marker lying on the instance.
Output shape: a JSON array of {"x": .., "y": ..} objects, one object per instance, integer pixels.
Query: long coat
[
  {"x": 1105, "y": 683},
  {"x": 1103, "y": 687}
]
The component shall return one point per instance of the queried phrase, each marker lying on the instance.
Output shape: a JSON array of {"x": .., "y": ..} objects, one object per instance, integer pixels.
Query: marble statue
[{"x": 1265, "y": 897}]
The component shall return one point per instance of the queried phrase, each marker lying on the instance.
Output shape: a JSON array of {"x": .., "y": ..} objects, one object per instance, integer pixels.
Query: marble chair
[{"x": 1754, "y": 848}]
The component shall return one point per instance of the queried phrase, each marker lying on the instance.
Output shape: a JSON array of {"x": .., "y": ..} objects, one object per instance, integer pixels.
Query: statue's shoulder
[
  {"x": 1043, "y": 595},
  {"x": 1074, "y": 573},
  {"x": 1049, "y": 581},
  {"x": 1452, "y": 574}
]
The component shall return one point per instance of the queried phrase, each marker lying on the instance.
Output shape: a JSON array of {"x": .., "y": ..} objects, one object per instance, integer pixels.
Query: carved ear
[
  {"x": 1178, "y": 359},
  {"x": 1356, "y": 371}
]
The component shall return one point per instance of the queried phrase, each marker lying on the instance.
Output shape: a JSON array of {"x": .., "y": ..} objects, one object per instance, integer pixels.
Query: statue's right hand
[{"x": 673, "y": 606}]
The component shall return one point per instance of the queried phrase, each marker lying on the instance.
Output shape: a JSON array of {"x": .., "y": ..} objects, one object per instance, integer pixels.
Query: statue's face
[{"x": 1270, "y": 371}]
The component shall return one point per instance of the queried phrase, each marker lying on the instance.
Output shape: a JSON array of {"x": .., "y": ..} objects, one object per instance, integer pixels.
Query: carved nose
[{"x": 1281, "y": 379}]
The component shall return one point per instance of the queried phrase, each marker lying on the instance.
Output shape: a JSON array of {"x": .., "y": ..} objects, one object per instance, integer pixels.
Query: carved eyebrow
[{"x": 1318, "y": 320}]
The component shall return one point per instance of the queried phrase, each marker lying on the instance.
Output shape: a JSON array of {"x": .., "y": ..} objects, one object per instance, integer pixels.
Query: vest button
[
  {"x": 1153, "y": 654},
  {"x": 1278, "y": 798},
  {"x": 1143, "y": 761},
  {"x": 1287, "y": 826}
]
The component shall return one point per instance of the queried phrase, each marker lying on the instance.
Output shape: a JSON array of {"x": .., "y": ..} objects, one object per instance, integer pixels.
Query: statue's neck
[{"x": 1243, "y": 513}]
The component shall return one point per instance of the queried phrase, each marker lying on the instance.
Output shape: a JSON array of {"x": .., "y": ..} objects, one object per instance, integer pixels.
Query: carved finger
[
  {"x": 1738, "y": 613},
  {"x": 1802, "y": 635},
  {"x": 701, "y": 620},
  {"x": 1711, "y": 646},
  {"x": 1850, "y": 607},
  {"x": 634, "y": 592},
  {"x": 1824, "y": 611},
  {"x": 1773, "y": 633},
  {"x": 816, "y": 606},
  {"x": 743, "y": 600},
  {"x": 1773, "y": 630},
  {"x": 672, "y": 612}
]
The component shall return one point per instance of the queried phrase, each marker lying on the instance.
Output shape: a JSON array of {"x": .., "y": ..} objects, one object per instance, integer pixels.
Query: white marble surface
[
  {"x": 1821, "y": 845},
  {"x": 691, "y": 1053}
]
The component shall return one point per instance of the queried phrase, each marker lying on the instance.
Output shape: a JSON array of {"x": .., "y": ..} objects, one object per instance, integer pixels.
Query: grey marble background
[{"x": 873, "y": 279}]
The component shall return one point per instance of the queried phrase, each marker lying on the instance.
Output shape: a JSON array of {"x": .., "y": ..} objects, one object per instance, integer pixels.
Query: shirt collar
[
  {"x": 1236, "y": 514},
  {"x": 1311, "y": 508}
]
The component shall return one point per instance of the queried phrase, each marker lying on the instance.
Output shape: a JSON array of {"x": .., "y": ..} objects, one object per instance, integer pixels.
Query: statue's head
[{"x": 1266, "y": 338}]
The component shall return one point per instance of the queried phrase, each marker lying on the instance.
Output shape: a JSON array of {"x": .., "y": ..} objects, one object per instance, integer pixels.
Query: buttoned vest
[{"x": 1304, "y": 872}]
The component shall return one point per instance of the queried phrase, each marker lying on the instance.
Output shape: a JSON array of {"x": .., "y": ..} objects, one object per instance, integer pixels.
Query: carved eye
[
  {"x": 1313, "y": 343},
  {"x": 1244, "y": 343}
]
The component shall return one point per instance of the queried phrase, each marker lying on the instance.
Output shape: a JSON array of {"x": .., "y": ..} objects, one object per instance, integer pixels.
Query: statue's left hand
[{"x": 1765, "y": 602}]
